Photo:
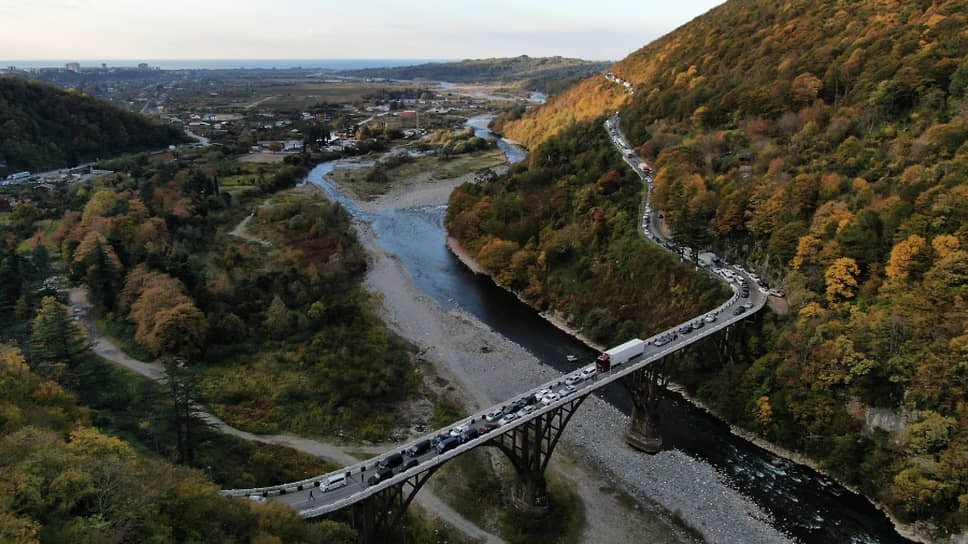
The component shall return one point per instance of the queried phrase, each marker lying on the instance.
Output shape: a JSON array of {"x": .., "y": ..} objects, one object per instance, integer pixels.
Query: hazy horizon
[{"x": 48, "y": 30}]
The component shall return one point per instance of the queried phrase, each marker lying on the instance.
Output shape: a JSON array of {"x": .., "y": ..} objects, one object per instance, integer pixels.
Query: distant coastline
[{"x": 226, "y": 64}]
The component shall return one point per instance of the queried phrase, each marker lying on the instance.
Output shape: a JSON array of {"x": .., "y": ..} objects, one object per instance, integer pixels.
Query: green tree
[{"x": 55, "y": 338}]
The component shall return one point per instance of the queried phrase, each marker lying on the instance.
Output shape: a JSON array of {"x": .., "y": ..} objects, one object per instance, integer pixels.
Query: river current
[{"x": 803, "y": 503}]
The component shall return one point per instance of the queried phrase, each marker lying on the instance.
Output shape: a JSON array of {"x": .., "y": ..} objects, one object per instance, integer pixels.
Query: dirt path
[
  {"x": 426, "y": 499},
  {"x": 240, "y": 230}
]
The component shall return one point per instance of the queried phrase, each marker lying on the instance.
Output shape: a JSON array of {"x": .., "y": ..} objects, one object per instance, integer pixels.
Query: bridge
[{"x": 378, "y": 490}]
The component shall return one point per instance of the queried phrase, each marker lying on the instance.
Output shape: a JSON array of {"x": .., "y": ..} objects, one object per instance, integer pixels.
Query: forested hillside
[
  {"x": 42, "y": 127},
  {"x": 562, "y": 233},
  {"x": 824, "y": 145},
  {"x": 255, "y": 325}
]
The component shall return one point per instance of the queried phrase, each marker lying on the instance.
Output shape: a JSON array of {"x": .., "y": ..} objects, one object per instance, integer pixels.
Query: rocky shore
[{"x": 489, "y": 368}]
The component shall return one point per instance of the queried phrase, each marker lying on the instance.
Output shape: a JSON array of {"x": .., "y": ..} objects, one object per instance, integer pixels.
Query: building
[{"x": 73, "y": 67}]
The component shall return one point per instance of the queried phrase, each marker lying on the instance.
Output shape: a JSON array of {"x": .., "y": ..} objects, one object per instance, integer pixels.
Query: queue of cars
[{"x": 460, "y": 434}]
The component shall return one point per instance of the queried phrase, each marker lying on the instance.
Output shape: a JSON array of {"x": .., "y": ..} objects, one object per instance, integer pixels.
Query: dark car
[
  {"x": 419, "y": 448},
  {"x": 468, "y": 435},
  {"x": 410, "y": 464},
  {"x": 438, "y": 439},
  {"x": 739, "y": 310},
  {"x": 447, "y": 444},
  {"x": 393, "y": 461},
  {"x": 381, "y": 475}
]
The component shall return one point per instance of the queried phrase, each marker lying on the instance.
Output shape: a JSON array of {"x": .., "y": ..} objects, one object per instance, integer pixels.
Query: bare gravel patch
[{"x": 490, "y": 368}]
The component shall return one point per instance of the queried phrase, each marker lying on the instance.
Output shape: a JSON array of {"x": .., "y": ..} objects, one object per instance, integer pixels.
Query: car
[
  {"x": 567, "y": 390},
  {"x": 494, "y": 414},
  {"x": 573, "y": 379},
  {"x": 381, "y": 475},
  {"x": 517, "y": 405},
  {"x": 698, "y": 325},
  {"x": 391, "y": 461},
  {"x": 438, "y": 439},
  {"x": 526, "y": 410},
  {"x": 748, "y": 304},
  {"x": 468, "y": 435},
  {"x": 541, "y": 394},
  {"x": 419, "y": 448},
  {"x": 447, "y": 444},
  {"x": 685, "y": 329},
  {"x": 661, "y": 341},
  {"x": 549, "y": 398},
  {"x": 739, "y": 310},
  {"x": 709, "y": 318},
  {"x": 257, "y": 498},
  {"x": 588, "y": 372},
  {"x": 487, "y": 427},
  {"x": 777, "y": 293},
  {"x": 456, "y": 431},
  {"x": 410, "y": 464},
  {"x": 335, "y": 482},
  {"x": 508, "y": 418}
]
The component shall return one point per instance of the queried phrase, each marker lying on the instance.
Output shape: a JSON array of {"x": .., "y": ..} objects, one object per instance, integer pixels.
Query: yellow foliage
[
  {"x": 841, "y": 278},
  {"x": 944, "y": 244},
  {"x": 903, "y": 255},
  {"x": 88, "y": 441},
  {"x": 764, "y": 412},
  {"x": 808, "y": 248},
  {"x": 812, "y": 309}
]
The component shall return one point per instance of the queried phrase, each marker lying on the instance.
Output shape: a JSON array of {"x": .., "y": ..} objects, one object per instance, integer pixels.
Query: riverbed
[{"x": 726, "y": 487}]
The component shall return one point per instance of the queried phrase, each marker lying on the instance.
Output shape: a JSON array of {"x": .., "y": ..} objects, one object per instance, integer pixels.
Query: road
[
  {"x": 331, "y": 452},
  {"x": 357, "y": 474}
]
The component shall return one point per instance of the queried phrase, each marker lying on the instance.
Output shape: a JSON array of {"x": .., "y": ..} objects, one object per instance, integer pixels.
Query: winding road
[{"x": 358, "y": 484}]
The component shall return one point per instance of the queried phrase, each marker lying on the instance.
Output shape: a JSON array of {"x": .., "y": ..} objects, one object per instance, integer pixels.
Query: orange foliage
[
  {"x": 841, "y": 278},
  {"x": 903, "y": 255}
]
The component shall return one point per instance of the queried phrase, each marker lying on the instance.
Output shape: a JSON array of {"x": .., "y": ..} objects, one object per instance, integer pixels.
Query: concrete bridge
[{"x": 527, "y": 427}]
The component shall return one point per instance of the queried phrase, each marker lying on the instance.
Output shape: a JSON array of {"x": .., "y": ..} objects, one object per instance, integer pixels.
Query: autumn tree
[
  {"x": 841, "y": 279},
  {"x": 167, "y": 320},
  {"x": 908, "y": 258}
]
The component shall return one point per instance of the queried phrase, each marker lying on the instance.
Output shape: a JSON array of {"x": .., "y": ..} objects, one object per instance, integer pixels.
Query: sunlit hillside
[{"x": 824, "y": 145}]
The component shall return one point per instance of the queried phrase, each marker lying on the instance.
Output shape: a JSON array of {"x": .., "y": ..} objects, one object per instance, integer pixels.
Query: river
[{"x": 803, "y": 503}]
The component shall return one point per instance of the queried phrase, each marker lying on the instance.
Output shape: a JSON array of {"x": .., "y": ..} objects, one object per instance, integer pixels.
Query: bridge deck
[{"x": 297, "y": 494}]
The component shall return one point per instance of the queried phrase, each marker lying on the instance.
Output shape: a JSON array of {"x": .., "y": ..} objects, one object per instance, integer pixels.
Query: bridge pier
[
  {"x": 376, "y": 517},
  {"x": 646, "y": 387},
  {"x": 529, "y": 447}
]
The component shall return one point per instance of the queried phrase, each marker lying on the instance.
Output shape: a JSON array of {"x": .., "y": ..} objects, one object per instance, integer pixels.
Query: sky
[{"x": 327, "y": 29}]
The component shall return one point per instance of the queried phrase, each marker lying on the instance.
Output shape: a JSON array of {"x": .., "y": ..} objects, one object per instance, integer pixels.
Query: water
[
  {"x": 803, "y": 503},
  {"x": 513, "y": 152}
]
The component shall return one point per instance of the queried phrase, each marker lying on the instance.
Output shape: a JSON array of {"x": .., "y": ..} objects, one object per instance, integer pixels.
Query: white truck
[{"x": 620, "y": 354}]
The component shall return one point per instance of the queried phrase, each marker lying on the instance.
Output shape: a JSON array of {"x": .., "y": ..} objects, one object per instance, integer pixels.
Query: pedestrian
[{"x": 311, "y": 497}]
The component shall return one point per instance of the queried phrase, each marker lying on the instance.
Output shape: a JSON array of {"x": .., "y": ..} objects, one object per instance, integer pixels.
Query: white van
[{"x": 335, "y": 482}]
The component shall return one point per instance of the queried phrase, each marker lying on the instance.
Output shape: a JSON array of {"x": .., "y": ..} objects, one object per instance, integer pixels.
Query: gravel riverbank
[{"x": 489, "y": 368}]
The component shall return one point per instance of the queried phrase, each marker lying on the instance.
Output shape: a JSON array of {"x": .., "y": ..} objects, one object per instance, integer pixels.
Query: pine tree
[{"x": 55, "y": 338}]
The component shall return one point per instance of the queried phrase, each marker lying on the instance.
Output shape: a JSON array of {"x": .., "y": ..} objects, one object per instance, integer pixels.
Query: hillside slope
[
  {"x": 824, "y": 145},
  {"x": 536, "y": 73},
  {"x": 42, "y": 126}
]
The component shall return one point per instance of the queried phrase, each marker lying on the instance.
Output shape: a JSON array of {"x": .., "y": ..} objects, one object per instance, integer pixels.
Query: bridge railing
[{"x": 599, "y": 380}]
